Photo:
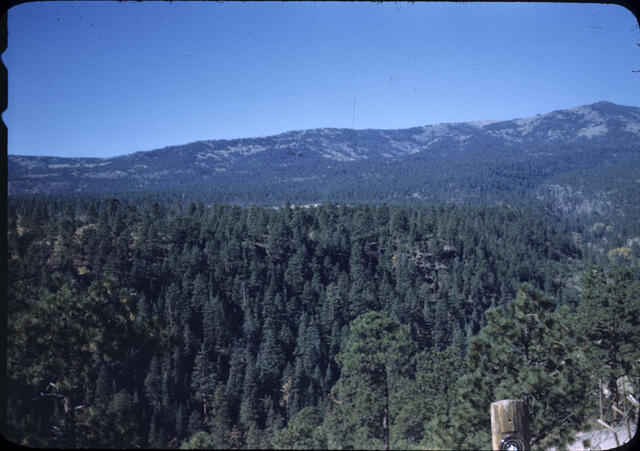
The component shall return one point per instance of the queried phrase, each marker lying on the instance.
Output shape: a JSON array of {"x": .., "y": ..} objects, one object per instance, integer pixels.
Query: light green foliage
[{"x": 200, "y": 440}]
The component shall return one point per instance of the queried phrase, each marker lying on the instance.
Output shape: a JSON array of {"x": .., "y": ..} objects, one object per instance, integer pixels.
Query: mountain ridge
[
  {"x": 463, "y": 162},
  {"x": 477, "y": 123}
]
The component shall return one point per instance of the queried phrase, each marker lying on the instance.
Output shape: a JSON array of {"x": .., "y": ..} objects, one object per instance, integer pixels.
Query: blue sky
[{"x": 104, "y": 79}]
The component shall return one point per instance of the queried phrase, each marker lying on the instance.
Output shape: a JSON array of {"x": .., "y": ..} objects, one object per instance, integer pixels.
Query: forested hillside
[
  {"x": 580, "y": 162},
  {"x": 153, "y": 324}
]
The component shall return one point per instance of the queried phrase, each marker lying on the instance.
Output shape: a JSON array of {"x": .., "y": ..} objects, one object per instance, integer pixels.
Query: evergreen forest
[{"x": 151, "y": 323}]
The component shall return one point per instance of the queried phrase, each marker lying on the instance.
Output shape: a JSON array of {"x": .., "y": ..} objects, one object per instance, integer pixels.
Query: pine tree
[
  {"x": 609, "y": 326},
  {"x": 221, "y": 421},
  {"x": 299, "y": 384},
  {"x": 374, "y": 357},
  {"x": 153, "y": 385},
  {"x": 203, "y": 381},
  {"x": 526, "y": 351},
  {"x": 234, "y": 381},
  {"x": 304, "y": 431},
  {"x": 271, "y": 359},
  {"x": 249, "y": 407},
  {"x": 195, "y": 422},
  {"x": 437, "y": 373},
  {"x": 199, "y": 440}
]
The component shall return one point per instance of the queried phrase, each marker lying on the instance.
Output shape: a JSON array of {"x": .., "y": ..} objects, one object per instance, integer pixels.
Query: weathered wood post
[
  {"x": 615, "y": 434},
  {"x": 626, "y": 420},
  {"x": 509, "y": 425}
]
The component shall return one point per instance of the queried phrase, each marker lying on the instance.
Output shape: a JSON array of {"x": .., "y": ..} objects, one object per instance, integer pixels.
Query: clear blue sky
[{"x": 104, "y": 79}]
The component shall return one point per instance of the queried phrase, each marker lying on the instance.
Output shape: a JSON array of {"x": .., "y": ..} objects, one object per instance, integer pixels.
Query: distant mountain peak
[{"x": 606, "y": 107}]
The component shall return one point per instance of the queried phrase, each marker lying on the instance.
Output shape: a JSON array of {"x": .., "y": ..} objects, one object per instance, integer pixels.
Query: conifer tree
[
  {"x": 249, "y": 407},
  {"x": 203, "y": 381},
  {"x": 437, "y": 373},
  {"x": 304, "y": 431},
  {"x": 199, "y": 440},
  {"x": 271, "y": 359},
  {"x": 608, "y": 321},
  {"x": 526, "y": 351},
  {"x": 221, "y": 421},
  {"x": 374, "y": 356}
]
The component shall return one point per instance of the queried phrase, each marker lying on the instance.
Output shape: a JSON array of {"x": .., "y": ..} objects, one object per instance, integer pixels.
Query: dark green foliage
[
  {"x": 304, "y": 431},
  {"x": 526, "y": 351},
  {"x": 161, "y": 324},
  {"x": 609, "y": 324},
  {"x": 430, "y": 399},
  {"x": 372, "y": 364}
]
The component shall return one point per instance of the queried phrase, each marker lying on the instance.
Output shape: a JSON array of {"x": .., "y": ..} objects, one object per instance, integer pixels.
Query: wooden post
[
  {"x": 626, "y": 420},
  {"x": 509, "y": 425},
  {"x": 615, "y": 434}
]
